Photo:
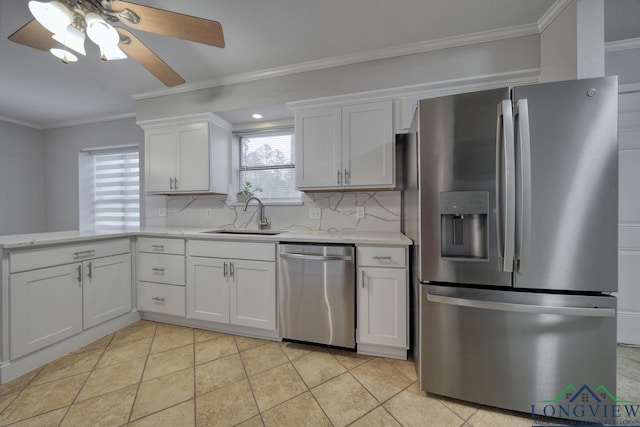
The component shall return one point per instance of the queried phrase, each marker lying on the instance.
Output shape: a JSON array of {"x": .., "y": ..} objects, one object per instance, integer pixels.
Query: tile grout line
[
  {"x": 135, "y": 398},
  {"x": 255, "y": 401}
]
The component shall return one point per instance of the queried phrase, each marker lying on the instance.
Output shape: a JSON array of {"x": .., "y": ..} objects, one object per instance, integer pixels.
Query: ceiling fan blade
[
  {"x": 34, "y": 35},
  {"x": 172, "y": 24},
  {"x": 137, "y": 50}
]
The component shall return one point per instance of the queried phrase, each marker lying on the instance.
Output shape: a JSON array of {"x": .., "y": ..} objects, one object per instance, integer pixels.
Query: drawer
[
  {"x": 32, "y": 259},
  {"x": 381, "y": 256},
  {"x": 161, "y": 268},
  {"x": 159, "y": 298},
  {"x": 233, "y": 250},
  {"x": 160, "y": 245}
]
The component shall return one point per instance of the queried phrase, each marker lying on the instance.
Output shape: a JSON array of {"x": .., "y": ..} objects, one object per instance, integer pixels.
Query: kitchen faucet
[{"x": 264, "y": 222}]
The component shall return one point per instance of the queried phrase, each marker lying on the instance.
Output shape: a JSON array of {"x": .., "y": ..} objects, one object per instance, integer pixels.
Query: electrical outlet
[
  {"x": 315, "y": 213},
  {"x": 360, "y": 212},
  {"x": 209, "y": 213},
  {"x": 162, "y": 212}
]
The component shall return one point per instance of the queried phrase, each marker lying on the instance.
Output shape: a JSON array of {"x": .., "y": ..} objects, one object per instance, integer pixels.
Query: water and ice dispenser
[{"x": 464, "y": 228}]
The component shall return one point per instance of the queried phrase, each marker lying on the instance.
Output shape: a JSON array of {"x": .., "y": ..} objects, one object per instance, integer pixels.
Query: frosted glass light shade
[
  {"x": 54, "y": 16},
  {"x": 99, "y": 30},
  {"x": 64, "y": 55},
  {"x": 112, "y": 52},
  {"x": 72, "y": 38}
]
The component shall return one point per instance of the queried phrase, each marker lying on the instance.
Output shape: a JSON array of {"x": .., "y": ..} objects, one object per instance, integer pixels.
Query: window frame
[
  {"x": 239, "y": 169},
  {"x": 87, "y": 185}
]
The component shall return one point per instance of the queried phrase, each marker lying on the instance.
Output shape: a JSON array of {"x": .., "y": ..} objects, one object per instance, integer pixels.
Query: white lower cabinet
[
  {"x": 45, "y": 307},
  {"x": 57, "y": 292},
  {"x": 382, "y": 301},
  {"x": 106, "y": 288},
  {"x": 232, "y": 291}
]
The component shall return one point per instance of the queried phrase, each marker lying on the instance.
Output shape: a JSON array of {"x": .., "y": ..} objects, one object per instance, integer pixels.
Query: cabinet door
[
  {"x": 208, "y": 289},
  {"x": 382, "y": 306},
  {"x": 45, "y": 307},
  {"x": 160, "y": 159},
  {"x": 106, "y": 288},
  {"x": 368, "y": 152},
  {"x": 318, "y": 148},
  {"x": 193, "y": 155},
  {"x": 253, "y": 294}
]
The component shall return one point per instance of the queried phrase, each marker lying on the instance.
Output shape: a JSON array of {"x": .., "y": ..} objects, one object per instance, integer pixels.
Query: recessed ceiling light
[{"x": 256, "y": 115}]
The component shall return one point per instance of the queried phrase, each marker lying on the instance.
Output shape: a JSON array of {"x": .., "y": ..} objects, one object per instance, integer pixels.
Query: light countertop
[{"x": 348, "y": 237}]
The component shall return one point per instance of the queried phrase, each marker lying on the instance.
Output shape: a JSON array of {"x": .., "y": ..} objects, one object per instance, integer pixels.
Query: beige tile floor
[{"x": 153, "y": 374}]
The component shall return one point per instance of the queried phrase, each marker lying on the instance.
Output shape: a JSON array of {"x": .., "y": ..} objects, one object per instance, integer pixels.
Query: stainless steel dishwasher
[{"x": 316, "y": 293}]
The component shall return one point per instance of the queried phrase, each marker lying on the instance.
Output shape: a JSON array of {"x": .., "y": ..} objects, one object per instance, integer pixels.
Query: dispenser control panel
[{"x": 464, "y": 202}]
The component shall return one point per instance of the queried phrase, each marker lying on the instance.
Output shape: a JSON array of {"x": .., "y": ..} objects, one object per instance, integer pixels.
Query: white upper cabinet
[
  {"x": 187, "y": 155},
  {"x": 348, "y": 147}
]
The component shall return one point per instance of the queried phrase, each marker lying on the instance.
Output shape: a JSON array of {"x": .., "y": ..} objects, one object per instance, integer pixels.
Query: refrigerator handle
[
  {"x": 524, "y": 201},
  {"x": 505, "y": 184},
  {"x": 523, "y": 308}
]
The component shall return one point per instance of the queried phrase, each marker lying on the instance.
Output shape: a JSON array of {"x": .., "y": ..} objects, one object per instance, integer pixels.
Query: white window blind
[
  {"x": 117, "y": 189},
  {"x": 267, "y": 160}
]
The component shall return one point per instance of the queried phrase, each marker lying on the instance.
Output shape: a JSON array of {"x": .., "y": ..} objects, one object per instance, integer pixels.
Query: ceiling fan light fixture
[
  {"x": 64, "y": 55},
  {"x": 72, "y": 38},
  {"x": 100, "y": 31},
  {"x": 54, "y": 16},
  {"x": 111, "y": 53}
]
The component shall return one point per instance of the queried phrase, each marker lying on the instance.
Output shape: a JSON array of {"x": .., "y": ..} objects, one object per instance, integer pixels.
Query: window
[
  {"x": 110, "y": 188},
  {"x": 267, "y": 161}
]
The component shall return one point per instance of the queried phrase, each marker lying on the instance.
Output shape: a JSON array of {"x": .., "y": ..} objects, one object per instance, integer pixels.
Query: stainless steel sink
[{"x": 245, "y": 232}]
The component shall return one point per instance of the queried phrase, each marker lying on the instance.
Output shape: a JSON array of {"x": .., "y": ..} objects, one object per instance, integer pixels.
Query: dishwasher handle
[{"x": 316, "y": 257}]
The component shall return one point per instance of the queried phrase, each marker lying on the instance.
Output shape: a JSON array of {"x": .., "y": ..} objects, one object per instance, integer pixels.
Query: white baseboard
[
  {"x": 15, "y": 368},
  {"x": 382, "y": 351},
  {"x": 628, "y": 327}
]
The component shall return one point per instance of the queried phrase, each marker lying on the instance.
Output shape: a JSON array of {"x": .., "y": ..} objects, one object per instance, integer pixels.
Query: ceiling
[{"x": 38, "y": 90}]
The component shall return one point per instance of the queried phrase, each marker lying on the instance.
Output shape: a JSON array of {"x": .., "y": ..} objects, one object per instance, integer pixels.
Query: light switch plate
[
  {"x": 209, "y": 213},
  {"x": 315, "y": 213},
  {"x": 162, "y": 212},
  {"x": 360, "y": 212}
]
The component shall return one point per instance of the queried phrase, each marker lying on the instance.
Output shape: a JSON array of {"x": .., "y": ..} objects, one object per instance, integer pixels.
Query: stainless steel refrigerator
[{"x": 511, "y": 197}]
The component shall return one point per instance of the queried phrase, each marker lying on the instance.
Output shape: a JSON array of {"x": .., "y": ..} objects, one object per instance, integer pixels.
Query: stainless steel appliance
[
  {"x": 511, "y": 198},
  {"x": 316, "y": 293}
]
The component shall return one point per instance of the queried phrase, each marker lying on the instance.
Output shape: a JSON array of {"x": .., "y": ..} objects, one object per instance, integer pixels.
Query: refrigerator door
[
  {"x": 462, "y": 141},
  {"x": 567, "y": 161},
  {"x": 518, "y": 350}
]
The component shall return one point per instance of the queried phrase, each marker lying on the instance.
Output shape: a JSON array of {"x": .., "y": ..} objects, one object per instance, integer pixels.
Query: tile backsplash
[{"x": 338, "y": 212}]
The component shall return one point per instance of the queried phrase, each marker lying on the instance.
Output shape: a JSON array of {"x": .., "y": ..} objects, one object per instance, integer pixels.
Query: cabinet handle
[
  {"x": 90, "y": 273},
  {"x": 158, "y": 247},
  {"x": 175, "y": 183},
  {"x": 159, "y": 299},
  {"x": 170, "y": 183},
  {"x": 346, "y": 176},
  {"x": 364, "y": 280},
  {"x": 158, "y": 270},
  {"x": 79, "y": 269},
  {"x": 231, "y": 269},
  {"x": 225, "y": 270},
  {"x": 339, "y": 177},
  {"x": 83, "y": 254},
  {"x": 380, "y": 258}
]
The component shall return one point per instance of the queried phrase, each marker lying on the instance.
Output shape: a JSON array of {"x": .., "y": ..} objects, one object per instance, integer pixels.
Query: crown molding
[
  {"x": 21, "y": 123},
  {"x": 620, "y": 45},
  {"x": 372, "y": 55},
  {"x": 185, "y": 120},
  {"x": 552, "y": 13},
  {"x": 425, "y": 90}
]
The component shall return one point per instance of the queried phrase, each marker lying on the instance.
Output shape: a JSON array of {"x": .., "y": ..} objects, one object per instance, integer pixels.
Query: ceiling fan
[{"x": 61, "y": 25}]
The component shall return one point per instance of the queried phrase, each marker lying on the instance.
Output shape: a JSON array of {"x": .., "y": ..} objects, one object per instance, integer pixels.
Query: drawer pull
[
  {"x": 380, "y": 258},
  {"x": 158, "y": 270},
  {"x": 158, "y": 247},
  {"x": 159, "y": 299},
  {"x": 83, "y": 254}
]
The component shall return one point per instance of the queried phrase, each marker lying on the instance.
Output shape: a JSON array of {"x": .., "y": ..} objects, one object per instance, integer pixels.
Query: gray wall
[
  {"x": 62, "y": 146},
  {"x": 22, "y": 164},
  {"x": 521, "y": 53}
]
